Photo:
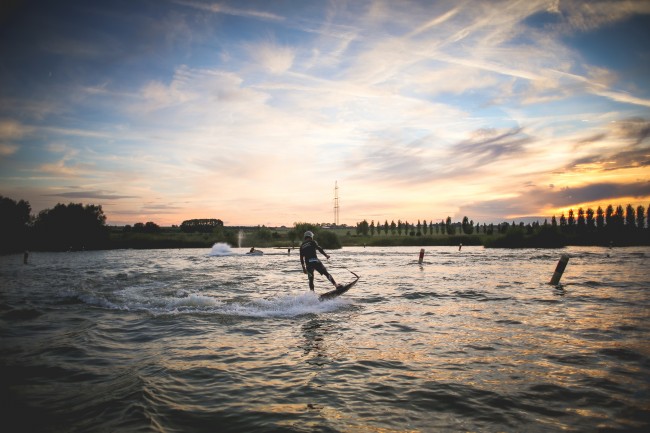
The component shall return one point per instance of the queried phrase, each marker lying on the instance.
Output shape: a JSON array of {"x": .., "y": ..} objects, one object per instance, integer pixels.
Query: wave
[{"x": 194, "y": 303}]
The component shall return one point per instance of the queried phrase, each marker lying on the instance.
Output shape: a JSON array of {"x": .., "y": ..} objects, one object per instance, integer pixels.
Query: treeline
[
  {"x": 75, "y": 226},
  {"x": 65, "y": 227},
  {"x": 201, "y": 225},
  {"x": 612, "y": 219},
  {"x": 614, "y": 225}
]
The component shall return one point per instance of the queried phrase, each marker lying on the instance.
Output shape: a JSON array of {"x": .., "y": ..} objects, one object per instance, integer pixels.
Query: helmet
[{"x": 309, "y": 234}]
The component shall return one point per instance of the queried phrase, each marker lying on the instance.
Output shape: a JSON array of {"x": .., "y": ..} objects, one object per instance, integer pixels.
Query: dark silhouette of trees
[
  {"x": 630, "y": 217},
  {"x": 467, "y": 226},
  {"x": 201, "y": 225},
  {"x": 640, "y": 217},
  {"x": 71, "y": 227},
  {"x": 616, "y": 225},
  {"x": 15, "y": 218},
  {"x": 363, "y": 228},
  {"x": 148, "y": 227}
]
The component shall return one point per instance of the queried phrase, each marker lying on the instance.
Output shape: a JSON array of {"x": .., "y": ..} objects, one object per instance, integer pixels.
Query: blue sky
[{"x": 250, "y": 111}]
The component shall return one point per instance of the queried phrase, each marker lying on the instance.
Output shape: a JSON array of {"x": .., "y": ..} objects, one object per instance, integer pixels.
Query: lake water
[{"x": 201, "y": 340}]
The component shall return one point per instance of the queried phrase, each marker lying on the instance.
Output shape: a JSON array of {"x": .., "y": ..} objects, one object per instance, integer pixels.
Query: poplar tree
[
  {"x": 640, "y": 217},
  {"x": 630, "y": 217}
]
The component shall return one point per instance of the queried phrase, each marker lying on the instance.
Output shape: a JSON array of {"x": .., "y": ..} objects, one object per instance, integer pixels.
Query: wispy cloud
[
  {"x": 224, "y": 8},
  {"x": 252, "y": 110},
  {"x": 91, "y": 195}
]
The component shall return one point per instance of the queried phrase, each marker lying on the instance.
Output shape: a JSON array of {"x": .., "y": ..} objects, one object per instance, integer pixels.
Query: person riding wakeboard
[{"x": 310, "y": 262}]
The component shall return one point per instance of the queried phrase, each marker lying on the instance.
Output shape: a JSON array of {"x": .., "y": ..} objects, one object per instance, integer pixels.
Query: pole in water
[
  {"x": 25, "y": 256},
  {"x": 460, "y": 246},
  {"x": 421, "y": 256},
  {"x": 559, "y": 270}
]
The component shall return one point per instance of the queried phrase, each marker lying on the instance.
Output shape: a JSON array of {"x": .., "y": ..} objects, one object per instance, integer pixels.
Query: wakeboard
[{"x": 339, "y": 291}]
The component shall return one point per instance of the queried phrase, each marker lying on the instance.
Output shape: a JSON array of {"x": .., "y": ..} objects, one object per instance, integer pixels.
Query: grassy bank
[{"x": 335, "y": 238}]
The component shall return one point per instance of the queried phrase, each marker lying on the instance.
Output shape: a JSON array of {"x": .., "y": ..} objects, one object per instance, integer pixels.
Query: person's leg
[
  {"x": 310, "y": 277},
  {"x": 323, "y": 271}
]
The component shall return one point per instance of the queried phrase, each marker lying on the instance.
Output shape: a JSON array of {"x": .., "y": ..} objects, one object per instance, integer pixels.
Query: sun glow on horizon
[{"x": 169, "y": 111}]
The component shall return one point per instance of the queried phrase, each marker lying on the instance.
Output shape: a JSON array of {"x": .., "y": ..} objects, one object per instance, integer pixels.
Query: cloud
[
  {"x": 539, "y": 199},
  {"x": 588, "y": 15},
  {"x": 7, "y": 149},
  {"x": 490, "y": 145},
  {"x": 221, "y": 8},
  {"x": 92, "y": 195},
  {"x": 625, "y": 145},
  {"x": 273, "y": 58}
]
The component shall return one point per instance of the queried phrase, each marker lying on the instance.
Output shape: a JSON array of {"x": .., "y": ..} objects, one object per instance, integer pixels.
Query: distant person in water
[{"x": 310, "y": 262}]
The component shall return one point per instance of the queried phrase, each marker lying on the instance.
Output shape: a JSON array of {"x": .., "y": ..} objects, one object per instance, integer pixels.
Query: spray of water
[
  {"x": 240, "y": 236},
  {"x": 220, "y": 249}
]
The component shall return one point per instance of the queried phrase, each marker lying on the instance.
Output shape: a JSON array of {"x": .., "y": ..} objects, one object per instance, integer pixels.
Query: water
[{"x": 217, "y": 341}]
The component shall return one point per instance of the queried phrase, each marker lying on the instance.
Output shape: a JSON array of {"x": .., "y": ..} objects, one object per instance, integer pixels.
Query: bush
[{"x": 329, "y": 240}]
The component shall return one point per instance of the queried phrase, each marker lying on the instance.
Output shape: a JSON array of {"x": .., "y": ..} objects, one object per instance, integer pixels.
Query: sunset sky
[{"x": 250, "y": 111}]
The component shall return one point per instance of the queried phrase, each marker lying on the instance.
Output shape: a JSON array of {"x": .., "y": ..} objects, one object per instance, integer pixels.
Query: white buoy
[
  {"x": 559, "y": 269},
  {"x": 421, "y": 255}
]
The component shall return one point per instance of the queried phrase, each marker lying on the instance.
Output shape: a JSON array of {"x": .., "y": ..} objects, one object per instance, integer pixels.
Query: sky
[{"x": 253, "y": 111}]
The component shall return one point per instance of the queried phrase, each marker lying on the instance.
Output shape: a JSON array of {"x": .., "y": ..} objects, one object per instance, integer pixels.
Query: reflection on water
[{"x": 205, "y": 340}]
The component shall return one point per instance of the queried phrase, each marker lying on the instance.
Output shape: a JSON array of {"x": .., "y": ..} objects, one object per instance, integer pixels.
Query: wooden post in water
[
  {"x": 421, "y": 256},
  {"x": 559, "y": 269}
]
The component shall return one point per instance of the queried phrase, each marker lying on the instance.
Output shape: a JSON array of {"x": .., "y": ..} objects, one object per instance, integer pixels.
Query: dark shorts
[{"x": 318, "y": 266}]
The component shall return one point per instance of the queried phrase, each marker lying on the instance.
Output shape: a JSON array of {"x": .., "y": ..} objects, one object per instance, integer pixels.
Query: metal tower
[{"x": 336, "y": 203}]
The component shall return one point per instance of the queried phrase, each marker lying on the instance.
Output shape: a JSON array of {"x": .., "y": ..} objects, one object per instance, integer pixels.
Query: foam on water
[
  {"x": 156, "y": 299},
  {"x": 283, "y": 306},
  {"x": 220, "y": 249}
]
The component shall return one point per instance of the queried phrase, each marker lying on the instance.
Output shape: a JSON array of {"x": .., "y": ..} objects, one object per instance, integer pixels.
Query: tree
[
  {"x": 151, "y": 227},
  {"x": 590, "y": 219},
  {"x": 328, "y": 239},
  {"x": 451, "y": 230},
  {"x": 72, "y": 226},
  {"x": 14, "y": 223},
  {"x": 600, "y": 218},
  {"x": 201, "y": 225},
  {"x": 263, "y": 233},
  {"x": 630, "y": 217},
  {"x": 372, "y": 228},
  {"x": 362, "y": 228},
  {"x": 609, "y": 216},
  {"x": 424, "y": 227},
  {"x": 618, "y": 217},
  {"x": 581, "y": 219},
  {"x": 466, "y": 226},
  {"x": 386, "y": 226},
  {"x": 640, "y": 217},
  {"x": 300, "y": 228}
]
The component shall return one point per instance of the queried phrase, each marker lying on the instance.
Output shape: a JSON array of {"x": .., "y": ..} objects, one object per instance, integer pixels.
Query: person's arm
[
  {"x": 322, "y": 251},
  {"x": 302, "y": 261}
]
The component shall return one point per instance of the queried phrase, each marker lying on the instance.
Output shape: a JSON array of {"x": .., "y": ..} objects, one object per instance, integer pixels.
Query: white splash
[{"x": 220, "y": 249}]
